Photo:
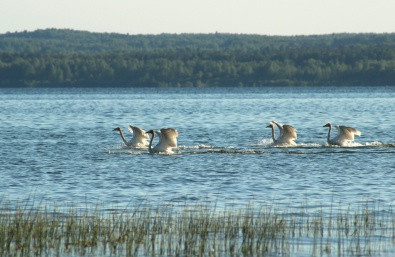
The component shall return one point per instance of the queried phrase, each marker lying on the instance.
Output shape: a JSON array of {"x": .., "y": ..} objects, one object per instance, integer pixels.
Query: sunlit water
[{"x": 58, "y": 145}]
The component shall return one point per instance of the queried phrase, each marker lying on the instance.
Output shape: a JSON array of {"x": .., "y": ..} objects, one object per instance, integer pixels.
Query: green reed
[{"x": 194, "y": 230}]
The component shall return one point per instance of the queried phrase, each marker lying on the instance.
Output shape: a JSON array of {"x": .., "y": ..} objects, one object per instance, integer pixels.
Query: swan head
[
  {"x": 328, "y": 125},
  {"x": 150, "y": 132},
  {"x": 117, "y": 129},
  {"x": 270, "y": 125}
]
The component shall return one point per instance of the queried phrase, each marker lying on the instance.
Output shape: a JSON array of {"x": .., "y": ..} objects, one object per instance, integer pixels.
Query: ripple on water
[{"x": 63, "y": 148}]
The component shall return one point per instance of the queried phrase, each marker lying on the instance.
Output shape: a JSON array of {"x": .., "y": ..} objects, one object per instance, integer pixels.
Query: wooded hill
[{"x": 55, "y": 57}]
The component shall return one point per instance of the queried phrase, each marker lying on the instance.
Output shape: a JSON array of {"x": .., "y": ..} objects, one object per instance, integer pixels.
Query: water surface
[{"x": 59, "y": 145}]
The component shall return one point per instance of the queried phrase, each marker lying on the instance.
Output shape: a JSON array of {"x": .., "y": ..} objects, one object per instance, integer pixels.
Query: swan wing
[
  {"x": 289, "y": 132},
  {"x": 347, "y": 133},
  {"x": 138, "y": 132},
  {"x": 140, "y": 137},
  {"x": 280, "y": 126},
  {"x": 167, "y": 140},
  {"x": 354, "y": 131},
  {"x": 288, "y": 136},
  {"x": 169, "y": 137},
  {"x": 130, "y": 128}
]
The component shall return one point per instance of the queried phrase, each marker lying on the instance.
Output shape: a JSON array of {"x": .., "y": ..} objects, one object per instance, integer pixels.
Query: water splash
[{"x": 264, "y": 142}]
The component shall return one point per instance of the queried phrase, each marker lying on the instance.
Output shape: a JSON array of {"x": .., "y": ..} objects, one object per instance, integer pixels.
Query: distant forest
[{"x": 69, "y": 58}]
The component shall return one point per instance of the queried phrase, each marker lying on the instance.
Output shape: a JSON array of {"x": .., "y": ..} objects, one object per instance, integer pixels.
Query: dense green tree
[{"x": 76, "y": 58}]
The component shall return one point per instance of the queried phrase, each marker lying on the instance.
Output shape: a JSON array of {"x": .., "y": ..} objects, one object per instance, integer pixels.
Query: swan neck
[
  {"x": 273, "y": 136},
  {"x": 329, "y": 134},
  {"x": 123, "y": 137},
  {"x": 150, "y": 142}
]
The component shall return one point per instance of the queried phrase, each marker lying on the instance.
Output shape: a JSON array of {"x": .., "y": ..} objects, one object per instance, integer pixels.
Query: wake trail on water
[
  {"x": 269, "y": 143},
  {"x": 121, "y": 148},
  {"x": 262, "y": 146}
]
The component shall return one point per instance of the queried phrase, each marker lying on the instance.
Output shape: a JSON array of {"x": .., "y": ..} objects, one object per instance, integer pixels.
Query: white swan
[
  {"x": 167, "y": 140},
  {"x": 287, "y": 134},
  {"x": 139, "y": 140},
  {"x": 345, "y": 135},
  {"x": 140, "y": 137}
]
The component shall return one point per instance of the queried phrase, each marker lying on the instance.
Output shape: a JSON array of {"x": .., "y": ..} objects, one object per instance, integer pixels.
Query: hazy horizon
[{"x": 260, "y": 17}]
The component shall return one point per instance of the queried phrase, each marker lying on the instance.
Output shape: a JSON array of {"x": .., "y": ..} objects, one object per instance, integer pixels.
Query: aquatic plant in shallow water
[{"x": 194, "y": 230}]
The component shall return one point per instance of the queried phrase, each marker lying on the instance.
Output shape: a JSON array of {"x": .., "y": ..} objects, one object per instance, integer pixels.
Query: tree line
[{"x": 75, "y": 58}]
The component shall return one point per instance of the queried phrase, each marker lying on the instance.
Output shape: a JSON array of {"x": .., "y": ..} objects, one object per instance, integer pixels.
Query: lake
[{"x": 58, "y": 146}]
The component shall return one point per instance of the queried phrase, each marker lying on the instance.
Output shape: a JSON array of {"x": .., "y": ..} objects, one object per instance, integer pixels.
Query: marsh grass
[{"x": 194, "y": 230}]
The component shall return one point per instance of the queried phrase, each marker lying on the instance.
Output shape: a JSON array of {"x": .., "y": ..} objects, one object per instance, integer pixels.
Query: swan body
[
  {"x": 167, "y": 140},
  {"x": 345, "y": 135},
  {"x": 139, "y": 140},
  {"x": 140, "y": 137},
  {"x": 287, "y": 134}
]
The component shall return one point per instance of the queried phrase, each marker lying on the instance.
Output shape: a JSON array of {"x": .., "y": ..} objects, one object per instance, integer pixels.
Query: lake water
[{"x": 58, "y": 145}]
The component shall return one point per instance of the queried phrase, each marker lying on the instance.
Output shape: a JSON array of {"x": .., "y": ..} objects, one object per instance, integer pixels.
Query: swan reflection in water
[{"x": 345, "y": 135}]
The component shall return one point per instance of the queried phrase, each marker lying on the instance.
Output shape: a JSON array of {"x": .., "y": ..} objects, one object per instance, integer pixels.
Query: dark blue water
[{"x": 59, "y": 146}]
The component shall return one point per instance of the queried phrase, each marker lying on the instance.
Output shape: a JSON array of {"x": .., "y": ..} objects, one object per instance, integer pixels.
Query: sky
[{"x": 263, "y": 17}]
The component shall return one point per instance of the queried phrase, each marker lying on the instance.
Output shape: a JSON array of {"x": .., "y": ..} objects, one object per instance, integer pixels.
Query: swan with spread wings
[
  {"x": 287, "y": 134},
  {"x": 345, "y": 135},
  {"x": 167, "y": 140},
  {"x": 139, "y": 140}
]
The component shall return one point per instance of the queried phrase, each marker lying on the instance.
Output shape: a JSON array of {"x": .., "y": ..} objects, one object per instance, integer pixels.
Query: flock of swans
[
  {"x": 168, "y": 137},
  {"x": 288, "y": 134}
]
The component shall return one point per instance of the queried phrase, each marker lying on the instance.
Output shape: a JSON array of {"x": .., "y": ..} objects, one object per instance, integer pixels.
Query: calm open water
[{"x": 59, "y": 145}]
